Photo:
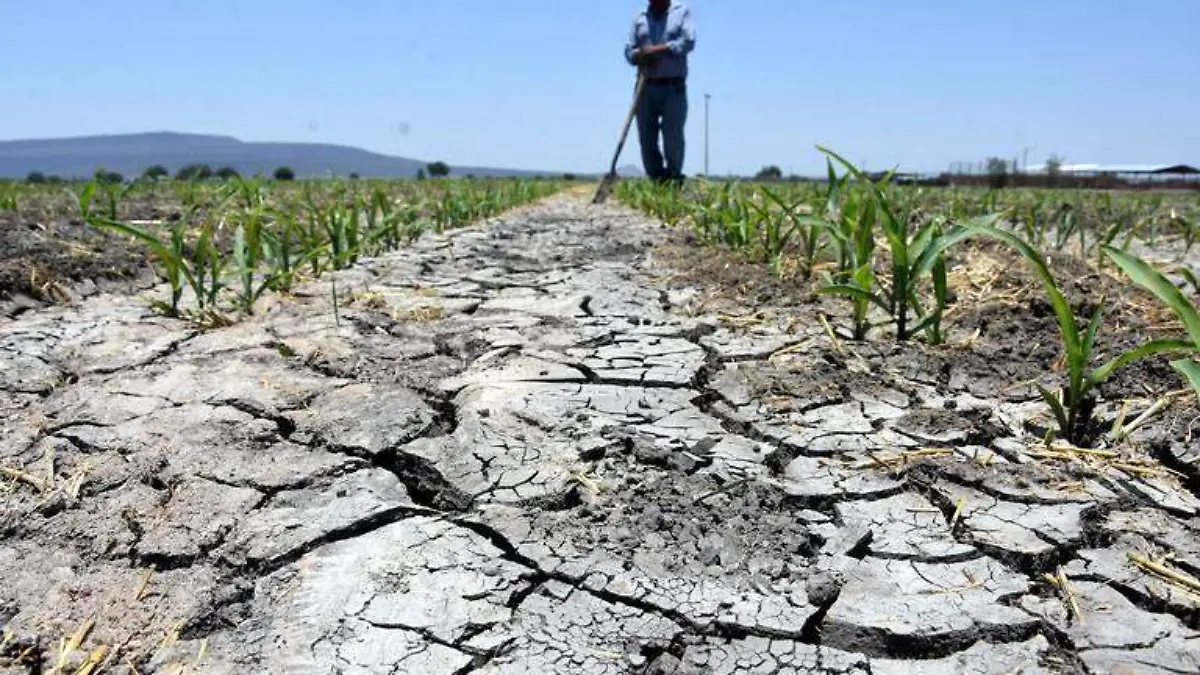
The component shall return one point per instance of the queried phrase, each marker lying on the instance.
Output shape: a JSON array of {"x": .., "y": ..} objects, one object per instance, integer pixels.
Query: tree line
[
  {"x": 160, "y": 172},
  {"x": 193, "y": 172}
]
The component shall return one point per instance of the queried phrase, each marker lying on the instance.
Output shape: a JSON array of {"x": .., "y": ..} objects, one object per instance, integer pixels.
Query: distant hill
[{"x": 131, "y": 154}]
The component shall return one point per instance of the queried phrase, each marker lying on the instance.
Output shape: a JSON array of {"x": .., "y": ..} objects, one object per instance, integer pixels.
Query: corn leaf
[
  {"x": 1143, "y": 274},
  {"x": 1056, "y": 406},
  {"x": 855, "y": 293},
  {"x": 1062, "y": 308},
  {"x": 1190, "y": 370},
  {"x": 1151, "y": 348}
]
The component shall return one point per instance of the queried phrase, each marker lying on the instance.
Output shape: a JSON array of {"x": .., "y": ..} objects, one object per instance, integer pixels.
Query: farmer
[{"x": 659, "y": 43}]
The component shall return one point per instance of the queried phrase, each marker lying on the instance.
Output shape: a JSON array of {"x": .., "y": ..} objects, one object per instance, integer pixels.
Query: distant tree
[
  {"x": 1054, "y": 165},
  {"x": 36, "y": 177},
  {"x": 997, "y": 171},
  {"x": 769, "y": 173},
  {"x": 105, "y": 176},
  {"x": 284, "y": 173},
  {"x": 227, "y": 173},
  {"x": 438, "y": 169},
  {"x": 420, "y": 174},
  {"x": 155, "y": 172},
  {"x": 570, "y": 177},
  {"x": 353, "y": 176},
  {"x": 194, "y": 172}
]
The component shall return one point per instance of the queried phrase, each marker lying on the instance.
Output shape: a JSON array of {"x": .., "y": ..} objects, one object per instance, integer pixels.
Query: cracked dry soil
[{"x": 517, "y": 450}]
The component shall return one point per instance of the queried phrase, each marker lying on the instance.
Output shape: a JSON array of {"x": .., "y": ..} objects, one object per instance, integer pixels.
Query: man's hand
[{"x": 644, "y": 54}]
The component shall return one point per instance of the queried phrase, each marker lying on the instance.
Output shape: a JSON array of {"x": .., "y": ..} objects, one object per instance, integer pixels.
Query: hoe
[{"x": 606, "y": 185}]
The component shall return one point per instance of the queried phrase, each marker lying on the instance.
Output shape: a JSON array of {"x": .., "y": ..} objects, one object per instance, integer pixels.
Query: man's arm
[
  {"x": 686, "y": 41},
  {"x": 631, "y": 46}
]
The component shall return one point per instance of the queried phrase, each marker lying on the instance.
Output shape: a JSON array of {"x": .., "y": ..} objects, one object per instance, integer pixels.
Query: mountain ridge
[{"x": 132, "y": 154}]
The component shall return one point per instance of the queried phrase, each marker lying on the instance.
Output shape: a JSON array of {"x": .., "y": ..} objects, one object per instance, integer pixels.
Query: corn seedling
[
  {"x": 791, "y": 223},
  {"x": 913, "y": 256},
  {"x": 854, "y": 233},
  {"x": 1074, "y": 405},
  {"x": 114, "y": 194},
  {"x": 8, "y": 197},
  {"x": 247, "y": 255},
  {"x": 1143, "y": 274}
]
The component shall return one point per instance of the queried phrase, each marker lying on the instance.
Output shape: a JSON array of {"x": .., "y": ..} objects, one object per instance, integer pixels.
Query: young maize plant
[
  {"x": 171, "y": 255},
  {"x": 282, "y": 251},
  {"x": 1073, "y": 406},
  {"x": 1143, "y": 274},
  {"x": 248, "y": 254},
  {"x": 1032, "y": 220},
  {"x": 1186, "y": 226},
  {"x": 733, "y": 225},
  {"x": 114, "y": 194},
  {"x": 8, "y": 197},
  {"x": 792, "y": 222},
  {"x": 276, "y": 234},
  {"x": 853, "y": 231},
  {"x": 913, "y": 257}
]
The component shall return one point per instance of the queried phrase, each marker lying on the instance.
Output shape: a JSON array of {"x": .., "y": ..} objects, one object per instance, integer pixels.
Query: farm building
[{"x": 1127, "y": 172}]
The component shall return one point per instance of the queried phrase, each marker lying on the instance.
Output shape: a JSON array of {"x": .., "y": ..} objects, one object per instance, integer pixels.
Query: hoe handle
[{"x": 637, "y": 97}]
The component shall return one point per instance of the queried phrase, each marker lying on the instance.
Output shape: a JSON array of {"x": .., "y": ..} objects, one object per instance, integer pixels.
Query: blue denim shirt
[{"x": 675, "y": 30}]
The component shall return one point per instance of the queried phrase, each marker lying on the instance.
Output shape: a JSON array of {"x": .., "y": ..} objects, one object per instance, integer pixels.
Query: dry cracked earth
[{"x": 513, "y": 449}]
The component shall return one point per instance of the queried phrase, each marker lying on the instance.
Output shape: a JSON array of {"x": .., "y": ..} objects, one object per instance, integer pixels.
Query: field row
[
  {"x": 221, "y": 245},
  {"x": 890, "y": 254}
]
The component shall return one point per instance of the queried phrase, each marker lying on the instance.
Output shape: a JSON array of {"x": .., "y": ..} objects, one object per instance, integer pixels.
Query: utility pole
[{"x": 707, "y": 97}]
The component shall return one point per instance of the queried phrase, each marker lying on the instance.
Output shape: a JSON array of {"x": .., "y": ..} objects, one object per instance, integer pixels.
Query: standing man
[{"x": 659, "y": 43}]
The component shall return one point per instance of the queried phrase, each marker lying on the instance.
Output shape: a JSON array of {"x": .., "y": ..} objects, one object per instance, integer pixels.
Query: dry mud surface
[{"x": 517, "y": 449}]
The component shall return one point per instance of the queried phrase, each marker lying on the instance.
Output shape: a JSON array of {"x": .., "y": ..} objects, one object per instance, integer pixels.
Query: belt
[{"x": 665, "y": 80}]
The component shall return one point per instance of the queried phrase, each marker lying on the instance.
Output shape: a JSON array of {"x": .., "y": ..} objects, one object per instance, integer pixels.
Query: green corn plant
[
  {"x": 913, "y": 256},
  {"x": 731, "y": 220},
  {"x": 247, "y": 256},
  {"x": 1034, "y": 221},
  {"x": 672, "y": 206},
  {"x": 773, "y": 230},
  {"x": 846, "y": 222},
  {"x": 114, "y": 194},
  {"x": 1189, "y": 277},
  {"x": 249, "y": 191},
  {"x": 395, "y": 226},
  {"x": 1073, "y": 406},
  {"x": 1143, "y": 274},
  {"x": 383, "y": 232},
  {"x": 9, "y": 201},
  {"x": 1185, "y": 226},
  {"x": 803, "y": 227},
  {"x": 1106, "y": 239},
  {"x": 1068, "y": 223},
  {"x": 854, "y": 233},
  {"x": 170, "y": 254},
  {"x": 705, "y": 215},
  {"x": 1155, "y": 219},
  {"x": 926, "y": 246},
  {"x": 207, "y": 266},
  {"x": 280, "y": 252},
  {"x": 83, "y": 200},
  {"x": 325, "y": 231}
]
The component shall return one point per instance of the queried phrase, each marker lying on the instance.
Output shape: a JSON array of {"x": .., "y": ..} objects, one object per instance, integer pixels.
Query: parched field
[{"x": 682, "y": 432}]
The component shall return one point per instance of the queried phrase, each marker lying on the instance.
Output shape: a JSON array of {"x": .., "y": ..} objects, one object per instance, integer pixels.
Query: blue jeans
[{"x": 663, "y": 108}]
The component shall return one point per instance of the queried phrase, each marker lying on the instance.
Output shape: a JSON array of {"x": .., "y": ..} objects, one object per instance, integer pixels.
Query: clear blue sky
[{"x": 542, "y": 85}]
